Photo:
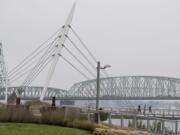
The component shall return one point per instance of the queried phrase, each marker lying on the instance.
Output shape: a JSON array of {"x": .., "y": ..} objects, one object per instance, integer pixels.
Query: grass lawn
[{"x": 37, "y": 129}]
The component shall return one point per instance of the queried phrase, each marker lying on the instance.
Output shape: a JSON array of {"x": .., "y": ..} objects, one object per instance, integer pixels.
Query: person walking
[
  {"x": 144, "y": 112},
  {"x": 150, "y": 109},
  {"x": 139, "y": 108}
]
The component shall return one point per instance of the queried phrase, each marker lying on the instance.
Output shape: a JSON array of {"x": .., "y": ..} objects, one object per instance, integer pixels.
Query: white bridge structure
[{"x": 111, "y": 88}]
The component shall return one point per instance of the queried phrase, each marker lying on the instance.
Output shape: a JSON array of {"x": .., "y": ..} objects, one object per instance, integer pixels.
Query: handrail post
[
  {"x": 122, "y": 121},
  {"x": 110, "y": 120},
  {"x": 176, "y": 128},
  {"x": 163, "y": 127},
  {"x": 148, "y": 124},
  {"x": 134, "y": 122}
]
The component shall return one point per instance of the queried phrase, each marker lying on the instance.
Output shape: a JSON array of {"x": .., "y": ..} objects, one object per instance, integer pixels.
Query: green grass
[{"x": 37, "y": 129}]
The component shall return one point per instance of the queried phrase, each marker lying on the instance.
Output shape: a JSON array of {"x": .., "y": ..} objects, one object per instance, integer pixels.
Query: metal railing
[{"x": 159, "y": 121}]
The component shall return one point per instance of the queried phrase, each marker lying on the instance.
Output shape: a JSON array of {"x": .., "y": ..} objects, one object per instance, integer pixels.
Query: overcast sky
[{"x": 136, "y": 37}]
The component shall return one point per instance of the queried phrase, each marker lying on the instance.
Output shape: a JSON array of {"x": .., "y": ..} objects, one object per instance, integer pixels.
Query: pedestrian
[
  {"x": 150, "y": 109},
  {"x": 144, "y": 109},
  {"x": 139, "y": 108}
]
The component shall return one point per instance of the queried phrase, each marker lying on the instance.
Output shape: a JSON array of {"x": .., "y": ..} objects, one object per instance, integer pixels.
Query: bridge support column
[
  {"x": 176, "y": 128},
  {"x": 163, "y": 127},
  {"x": 148, "y": 125},
  {"x": 122, "y": 121},
  {"x": 110, "y": 120}
]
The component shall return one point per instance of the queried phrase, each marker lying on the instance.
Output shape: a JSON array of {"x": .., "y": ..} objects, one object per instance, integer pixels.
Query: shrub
[
  {"x": 21, "y": 115},
  {"x": 101, "y": 132},
  {"x": 62, "y": 117},
  {"x": 16, "y": 115},
  {"x": 5, "y": 115},
  {"x": 70, "y": 115},
  {"x": 35, "y": 102},
  {"x": 83, "y": 117},
  {"x": 69, "y": 119},
  {"x": 84, "y": 125},
  {"x": 112, "y": 131},
  {"x": 103, "y": 115},
  {"x": 53, "y": 117}
]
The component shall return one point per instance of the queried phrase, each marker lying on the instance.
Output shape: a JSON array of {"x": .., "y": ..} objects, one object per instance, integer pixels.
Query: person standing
[
  {"x": 150, "y": 109},
  {"x": 144, "y": 112},
  {"x": 139, "y": 108}
]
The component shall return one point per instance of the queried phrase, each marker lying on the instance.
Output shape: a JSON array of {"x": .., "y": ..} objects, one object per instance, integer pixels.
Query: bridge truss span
[
  {"x": 129, "y": 88},
  {"x": 33, "y": 92},
  {"x": 111, "y": 88}
]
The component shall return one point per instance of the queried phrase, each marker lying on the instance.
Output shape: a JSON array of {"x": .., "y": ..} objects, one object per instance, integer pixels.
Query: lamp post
[{"x": 98, "y": 88}]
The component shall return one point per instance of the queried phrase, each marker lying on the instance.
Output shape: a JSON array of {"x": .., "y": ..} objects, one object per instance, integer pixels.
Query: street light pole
[
  {"x": 97, "y": 116},
  {"x": 98, "y": 90}
]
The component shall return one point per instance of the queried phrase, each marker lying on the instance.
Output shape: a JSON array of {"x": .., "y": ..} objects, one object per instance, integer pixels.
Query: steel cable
[
  {"x": 35, "y": 69},
  {"x": 70, "y": 52},
  {"x": 74, "y": 67},
  {"x": 36, "y": 51},
  {"x": 84, "y": 56},
  {"x": 39, "y": 71},
  {"x": 86, "y": 48}
]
